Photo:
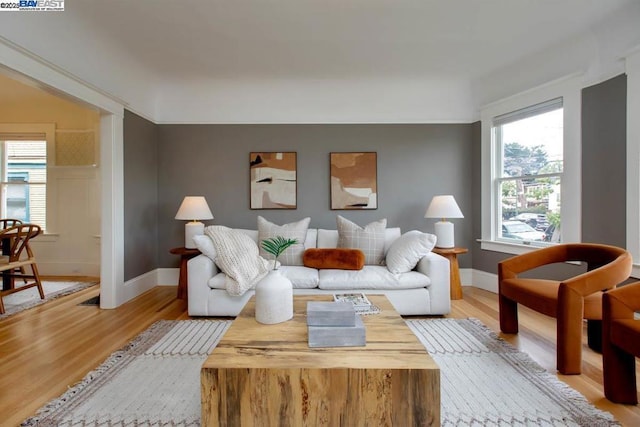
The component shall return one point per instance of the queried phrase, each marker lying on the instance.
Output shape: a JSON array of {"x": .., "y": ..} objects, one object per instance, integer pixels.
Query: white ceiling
[
  {"x": 224, "y": 39},
  {"x": 225, "y": 56}
]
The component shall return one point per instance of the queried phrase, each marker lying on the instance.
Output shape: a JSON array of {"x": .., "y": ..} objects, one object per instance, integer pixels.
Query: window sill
[
  {"x": 48, "y": 237},
  {"x": 510, "y": 248},
  {"x": 518, "y": 249}
]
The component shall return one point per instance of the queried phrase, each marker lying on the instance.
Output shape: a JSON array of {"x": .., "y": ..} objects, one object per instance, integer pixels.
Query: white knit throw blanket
[{"x": 238, "y": 257}]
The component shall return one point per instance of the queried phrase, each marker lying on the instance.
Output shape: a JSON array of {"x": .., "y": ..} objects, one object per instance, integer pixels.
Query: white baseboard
[
  {"x": 168, "y": 276},
  {"x": 479, "y": 279},
  {"x": 68, "y": 269},
  {"x": 466, "y": 276},
  {"x": 139, "y": 285},
  {"x": 486, "y": 281}
]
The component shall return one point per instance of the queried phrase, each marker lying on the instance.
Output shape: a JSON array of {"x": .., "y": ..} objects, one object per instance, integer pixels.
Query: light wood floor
[{"x": 45, "y": 350}]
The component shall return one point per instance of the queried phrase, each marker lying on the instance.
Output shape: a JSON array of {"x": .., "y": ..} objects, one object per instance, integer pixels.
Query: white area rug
[
  {"x": 155, "y": 381},
  {"x": 15, "y": 303},
  {"x": 485, "y": 381}
]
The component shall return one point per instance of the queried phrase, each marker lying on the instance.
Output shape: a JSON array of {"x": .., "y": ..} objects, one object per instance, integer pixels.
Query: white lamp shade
[
  {"x": 443, "y": 207},
  {"x": 194, "y": 208}
]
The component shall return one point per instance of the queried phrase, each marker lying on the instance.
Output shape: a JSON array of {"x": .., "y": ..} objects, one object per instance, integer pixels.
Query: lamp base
[
  {"x": 193, "y": 228},
  {"x": 444, "y": 234}
]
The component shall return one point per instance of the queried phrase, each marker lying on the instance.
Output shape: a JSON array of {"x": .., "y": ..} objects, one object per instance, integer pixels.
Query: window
[
  {"x": 529, "y": 154},
  {"x": 531, "y": 168},
  {"x": 23, "y": 188}
]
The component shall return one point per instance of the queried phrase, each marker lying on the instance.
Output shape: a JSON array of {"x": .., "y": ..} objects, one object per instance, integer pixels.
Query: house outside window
[
  {"x": 23, "y": 189},
  {"x": 528, "y": 180}
]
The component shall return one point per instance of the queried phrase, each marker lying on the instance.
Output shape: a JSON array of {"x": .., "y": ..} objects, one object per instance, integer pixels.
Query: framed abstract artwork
[
  {"x": 273, "y": 178},
  {"x": 354, "y": 180}
]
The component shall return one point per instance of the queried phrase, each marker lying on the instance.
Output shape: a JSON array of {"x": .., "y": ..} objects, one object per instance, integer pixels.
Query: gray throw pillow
[
  {"x": 295, "y": 230},
  {"x": 369, "y": 239}
]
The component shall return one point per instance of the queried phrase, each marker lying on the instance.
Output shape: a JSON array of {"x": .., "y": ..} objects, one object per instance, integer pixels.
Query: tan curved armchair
[
  {"x": 620, "y": 343},
  {"x": 570, "y": 300}
]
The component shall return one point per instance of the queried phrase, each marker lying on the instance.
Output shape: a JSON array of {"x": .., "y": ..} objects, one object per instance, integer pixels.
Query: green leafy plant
[{"x": 276, "y": 245}]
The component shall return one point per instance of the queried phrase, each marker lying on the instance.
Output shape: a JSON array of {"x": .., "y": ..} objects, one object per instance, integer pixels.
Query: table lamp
[
  {"x": 192, "y": 209},
  {"x": 444, "y": 207}
]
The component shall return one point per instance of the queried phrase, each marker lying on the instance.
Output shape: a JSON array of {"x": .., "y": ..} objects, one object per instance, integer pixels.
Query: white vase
[{"x": 274, "y": 298}]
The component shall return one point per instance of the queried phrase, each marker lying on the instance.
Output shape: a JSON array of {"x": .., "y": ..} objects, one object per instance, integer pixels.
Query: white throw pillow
[
  {"x": 295, "y": 230},
  {"x": 369, "y": 239},
  {"x": 237, "y": 256},
  {"x": 408, "y": 249},
  {"x": 205, "y": 245}
]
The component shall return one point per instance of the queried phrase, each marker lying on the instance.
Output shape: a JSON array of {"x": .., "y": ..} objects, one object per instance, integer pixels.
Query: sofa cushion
[
  {"x": 339, "y": 258},
  {"x": 369, "y": 239},
  {"x": 408, "y": 249},
  {"x": 311, "y": 240},
  {"x": 295, "y": 230},
  {"x": 327, "y": 238},
  {"x": 371, "y": 277},
  {"x": 301, "y": 277},
  {"x": 205, "y": 245}
]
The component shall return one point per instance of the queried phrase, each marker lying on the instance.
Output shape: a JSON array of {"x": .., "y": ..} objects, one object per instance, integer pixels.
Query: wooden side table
[
  {"x": 186, "y": 254},
  {"x": 454, "y": 270}
]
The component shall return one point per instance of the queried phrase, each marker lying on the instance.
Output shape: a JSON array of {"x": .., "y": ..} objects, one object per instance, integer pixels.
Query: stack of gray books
[{"x": 334, "y": 324}]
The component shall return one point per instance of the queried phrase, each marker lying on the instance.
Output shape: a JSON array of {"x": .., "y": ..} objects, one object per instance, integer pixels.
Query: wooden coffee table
[{"x": 266, "y": 375}]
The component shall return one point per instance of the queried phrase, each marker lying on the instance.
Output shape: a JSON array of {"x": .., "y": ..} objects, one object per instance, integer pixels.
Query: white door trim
[{"x": 32, "y": 69}]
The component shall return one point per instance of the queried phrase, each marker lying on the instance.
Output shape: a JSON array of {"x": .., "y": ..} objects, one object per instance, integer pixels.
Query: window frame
[
  {"x": 569, "y": 89},
  {"x": 22, "y": 130},
  {"x": 500, "y": 178}
]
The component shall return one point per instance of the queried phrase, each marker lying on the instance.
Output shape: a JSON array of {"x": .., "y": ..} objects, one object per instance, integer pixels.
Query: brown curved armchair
[
  {"x": 570, "y": 300},
  {"x": 620, "y": 343}
]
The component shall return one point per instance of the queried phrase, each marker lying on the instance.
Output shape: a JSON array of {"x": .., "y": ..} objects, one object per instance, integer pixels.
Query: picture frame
[
  {"x": 354, "y": 180},
  {"x": 273, "y": 180}
]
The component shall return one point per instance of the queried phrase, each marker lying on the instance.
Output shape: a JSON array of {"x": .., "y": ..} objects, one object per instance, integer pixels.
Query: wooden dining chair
[
  {"x": 9, "y": 222},
  {"x": 20, "y": 256}
]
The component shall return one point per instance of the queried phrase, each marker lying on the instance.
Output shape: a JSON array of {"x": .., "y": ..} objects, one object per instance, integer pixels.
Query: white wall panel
[{"x": 74, "y": 249}]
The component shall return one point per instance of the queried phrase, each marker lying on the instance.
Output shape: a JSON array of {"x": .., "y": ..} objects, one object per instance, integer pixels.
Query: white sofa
[{"x": 422, "y": 291}]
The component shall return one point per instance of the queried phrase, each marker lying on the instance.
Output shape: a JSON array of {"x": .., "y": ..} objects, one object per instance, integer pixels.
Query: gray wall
[
  {"x": 415, "y": 162},
  {"x": 604, "y": 161},
  {"x": 163, "y": 163},
  {"x": 603, "y": 175},
  {"x": 140, "y": 196}
]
